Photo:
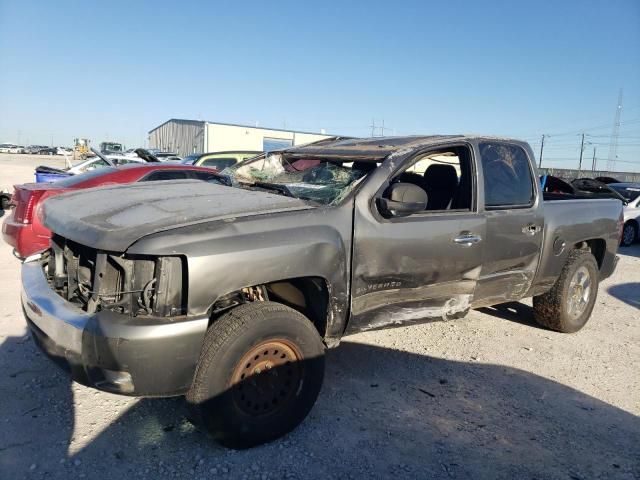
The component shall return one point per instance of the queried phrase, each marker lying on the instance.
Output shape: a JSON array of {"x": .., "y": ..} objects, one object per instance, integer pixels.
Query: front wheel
[
  {"x": 629, "y": 234},
  {"x": 568, "y": 305},
  {"x": 259, "y": 374}
]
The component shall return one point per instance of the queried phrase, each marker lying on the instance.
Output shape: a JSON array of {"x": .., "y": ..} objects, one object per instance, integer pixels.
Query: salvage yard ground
[{"x": 489, "y": 396}]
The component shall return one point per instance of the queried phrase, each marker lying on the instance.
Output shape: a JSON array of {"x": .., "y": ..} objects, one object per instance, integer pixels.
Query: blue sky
[{"x": 114, "y": 70}]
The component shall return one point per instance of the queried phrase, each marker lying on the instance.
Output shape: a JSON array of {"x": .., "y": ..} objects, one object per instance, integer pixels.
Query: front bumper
[{"x": 110, "y": 351}]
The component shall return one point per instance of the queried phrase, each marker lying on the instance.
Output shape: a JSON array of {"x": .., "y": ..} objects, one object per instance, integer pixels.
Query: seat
[
  {"x": 410, "y": 177},
  {"x": 441, "y": 184}
]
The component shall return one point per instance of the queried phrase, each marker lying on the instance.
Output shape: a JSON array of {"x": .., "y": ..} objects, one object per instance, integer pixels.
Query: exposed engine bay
[{"x": 96, "y": 280}]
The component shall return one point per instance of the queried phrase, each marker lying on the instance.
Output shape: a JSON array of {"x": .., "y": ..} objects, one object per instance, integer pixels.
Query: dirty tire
[
  {"x": 629, "y": 234},
  {"x": 230, "y": 382},
  {"x": 551, "y": 309},
  {"x": 4, "y": 202}
]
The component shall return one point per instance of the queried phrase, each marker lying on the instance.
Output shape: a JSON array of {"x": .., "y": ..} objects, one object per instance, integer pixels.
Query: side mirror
[{"x": 402, "y": 200}]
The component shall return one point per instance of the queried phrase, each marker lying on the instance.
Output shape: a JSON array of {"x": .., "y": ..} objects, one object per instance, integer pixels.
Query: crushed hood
[{"x": 114, "y": 217}]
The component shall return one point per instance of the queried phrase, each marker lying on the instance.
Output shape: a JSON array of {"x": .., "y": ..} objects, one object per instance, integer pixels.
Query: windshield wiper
[{"x": 283, "y": 189}]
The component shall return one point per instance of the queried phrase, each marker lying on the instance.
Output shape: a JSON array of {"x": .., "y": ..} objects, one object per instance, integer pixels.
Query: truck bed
[{"x": 569, "y": 221}]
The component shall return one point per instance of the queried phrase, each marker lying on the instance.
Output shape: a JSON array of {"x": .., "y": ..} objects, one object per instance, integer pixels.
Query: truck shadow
[
  {"x": 632, "y": 251},
  {"x": 382, "y": 413},
  {"x": 36, "y": 407},
  {"x": 629, "y": 293},
  {"x": 513, "y": 311}
]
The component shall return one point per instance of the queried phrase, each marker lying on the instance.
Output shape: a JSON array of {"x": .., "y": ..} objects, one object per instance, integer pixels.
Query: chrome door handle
[
  {"x": 467, "y": 239},
  {"x": 531, "y": 229}
]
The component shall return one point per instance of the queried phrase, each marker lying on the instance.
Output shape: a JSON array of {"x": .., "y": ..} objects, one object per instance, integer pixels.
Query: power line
[{"x": 633, "y": 121}]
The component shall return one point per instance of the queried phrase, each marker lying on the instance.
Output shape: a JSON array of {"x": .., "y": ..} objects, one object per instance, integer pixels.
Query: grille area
[{"x": 96, "y": 280}]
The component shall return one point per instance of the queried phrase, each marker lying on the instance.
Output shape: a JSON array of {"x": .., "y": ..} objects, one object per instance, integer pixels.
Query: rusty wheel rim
[{"x": 266, "y": 378}]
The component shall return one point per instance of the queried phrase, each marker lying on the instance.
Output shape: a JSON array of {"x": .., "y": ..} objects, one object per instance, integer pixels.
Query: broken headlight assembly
[{"x": 96, "y": 280}]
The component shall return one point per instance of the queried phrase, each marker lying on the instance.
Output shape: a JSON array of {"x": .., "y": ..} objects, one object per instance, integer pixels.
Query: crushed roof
[{"x": 373, "y": 148}]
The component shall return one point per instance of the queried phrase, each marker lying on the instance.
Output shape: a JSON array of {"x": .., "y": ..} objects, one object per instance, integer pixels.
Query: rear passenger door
[{"x": 514, "y": 222}]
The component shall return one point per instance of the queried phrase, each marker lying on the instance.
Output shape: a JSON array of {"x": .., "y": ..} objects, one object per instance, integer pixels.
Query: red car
[{"x": 23, "y": 230}]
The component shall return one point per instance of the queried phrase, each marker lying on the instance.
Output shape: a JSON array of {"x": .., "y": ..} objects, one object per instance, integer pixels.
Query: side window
[
  {"x": 446, "y": 175},
  {"x": 166, "y": 175},
  {"x": 207, "y": 177},
  {"x": 507, "y": 177},
  {"x": 219, "y": 163},
  {"x": 126, "y": 161},
  {"x": 97, "y": 164}
]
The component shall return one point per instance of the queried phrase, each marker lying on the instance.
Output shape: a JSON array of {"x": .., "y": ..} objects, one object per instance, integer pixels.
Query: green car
[{"x": 219, "y": 160}]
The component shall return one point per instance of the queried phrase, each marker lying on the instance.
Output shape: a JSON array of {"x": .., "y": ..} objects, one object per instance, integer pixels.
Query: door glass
[
  {"x": 445, "y": 175},
  {"x": 508, "y": 182},
  {"x": 219, "y": 163},
  {"x": 168, "y": 175},
  {"x": 207, "y": 177}
]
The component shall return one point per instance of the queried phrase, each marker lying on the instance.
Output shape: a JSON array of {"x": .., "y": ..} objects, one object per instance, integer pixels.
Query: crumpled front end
[
  {"x": 116, "y": 323},
  {"x": 95, "y": 280}
]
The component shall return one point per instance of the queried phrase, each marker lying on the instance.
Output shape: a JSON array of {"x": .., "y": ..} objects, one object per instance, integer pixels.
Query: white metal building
[{"x": 185, "y": 137}]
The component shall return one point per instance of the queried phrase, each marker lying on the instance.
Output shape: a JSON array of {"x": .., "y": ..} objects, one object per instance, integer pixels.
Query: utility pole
[
  {"x": 541, "y": 148},
  {"x": 593, "y": 162},
  {"x": 373, "y": 126},
  {"x": 581, "y": 152},
  {"x": 613, "y": 144}
]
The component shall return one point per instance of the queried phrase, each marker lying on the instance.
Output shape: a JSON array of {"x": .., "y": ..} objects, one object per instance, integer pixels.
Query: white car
[
  {"x": 16, "y": 149},
  {"x": 92, "y": 163},
  {"x": 130, "y": 153},
  {"x": 64, "y": 151},
  {"x": 630, "y": 191},
  {"x": 6, "y": 147},
  {"x": 124, "y": 159}
]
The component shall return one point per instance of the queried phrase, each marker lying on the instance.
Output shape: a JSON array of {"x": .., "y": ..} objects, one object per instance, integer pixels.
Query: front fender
[{"x": 225, "y": 256}]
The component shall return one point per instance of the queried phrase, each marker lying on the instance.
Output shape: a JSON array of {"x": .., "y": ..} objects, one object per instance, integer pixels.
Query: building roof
[{"x": 196, "y": 122}]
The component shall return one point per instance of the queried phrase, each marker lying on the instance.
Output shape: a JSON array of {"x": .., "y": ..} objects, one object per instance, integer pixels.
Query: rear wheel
[
  {"x": 629, "y": 234},
  {"x": 259, "y": 374},
  {"x": 4, "y": 202},
  {"x": 568, "y": 305}
]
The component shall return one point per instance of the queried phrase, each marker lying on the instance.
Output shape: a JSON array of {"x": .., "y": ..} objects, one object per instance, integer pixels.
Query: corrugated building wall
[
  {"x": 221, "y": 137},
  {"x": 183, "y": 137}
]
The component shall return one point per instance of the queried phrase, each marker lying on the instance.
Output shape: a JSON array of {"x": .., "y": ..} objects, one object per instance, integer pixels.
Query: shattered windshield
[{"x": 320, "y": 180}]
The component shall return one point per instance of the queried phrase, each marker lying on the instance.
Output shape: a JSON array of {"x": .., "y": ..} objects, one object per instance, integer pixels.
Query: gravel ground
[{"x": 489, "y": 396}]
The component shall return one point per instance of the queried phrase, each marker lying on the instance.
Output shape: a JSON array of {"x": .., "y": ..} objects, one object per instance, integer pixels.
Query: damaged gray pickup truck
[{"x": 230, "y": 291}]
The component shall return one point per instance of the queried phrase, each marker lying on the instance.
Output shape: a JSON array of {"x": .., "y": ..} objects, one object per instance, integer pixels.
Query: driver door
[{"x": 424, "y": 266}]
